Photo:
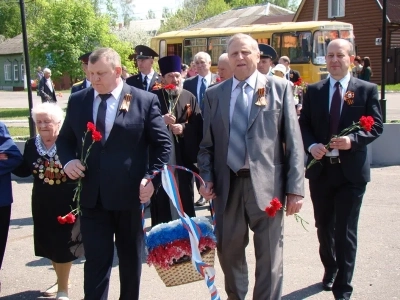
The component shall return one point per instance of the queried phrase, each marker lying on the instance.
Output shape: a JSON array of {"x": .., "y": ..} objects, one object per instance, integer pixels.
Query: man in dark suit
[
  {"x": 291, "y": 75},
  {"x": 115, "y": 177},
  {"x": 251, "y": 152},
  {"x": 147, "y": 77},
  {"x": 46, "y": 87},
  {"x": 84, "y": 59},
  {"x": 338, "y": 182},
  {"x": 197, "y": 85}
]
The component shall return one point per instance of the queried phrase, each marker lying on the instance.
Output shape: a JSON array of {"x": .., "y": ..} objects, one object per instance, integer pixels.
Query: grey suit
[{"x": 276, "y": 160}]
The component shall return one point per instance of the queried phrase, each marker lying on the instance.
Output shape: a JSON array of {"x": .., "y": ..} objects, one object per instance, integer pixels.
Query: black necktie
[
  {"x": 335, "y": 109},
  {"x": 201, "y": 94},
  {"x": 145, "y": 83},
  {"x": 101, "y": 116}
]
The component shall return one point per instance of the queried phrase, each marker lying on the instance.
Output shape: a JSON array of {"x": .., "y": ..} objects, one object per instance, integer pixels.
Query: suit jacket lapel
[
  {"x": 345, "y": 107},
  {"x": 153, "y": 81},
  {"x": 119, "y": 117},
  {"x": 88, "y": 106},
  {"x": 325, "y": 103},
  {"x": 224, "y": 99},
  {"x": 261, "y": 82}
]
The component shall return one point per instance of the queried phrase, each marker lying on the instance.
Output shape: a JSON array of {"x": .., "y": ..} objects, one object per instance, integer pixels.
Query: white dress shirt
[
  {"x": 88, "y": 83},
  {"x": 249, "y": 92},
  {"x": 199, "y": 81},
  {"x": 112, "y": 107},
  {"x": 49, "y": 84},
  {"x": 149, "y": 78}
]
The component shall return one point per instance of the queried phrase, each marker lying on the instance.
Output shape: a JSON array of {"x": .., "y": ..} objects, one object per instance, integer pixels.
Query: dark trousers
[
  {"x": 98, "y": 227},
  {"x": 337, "y": 204},
  {"x": 5, "y": 214}
]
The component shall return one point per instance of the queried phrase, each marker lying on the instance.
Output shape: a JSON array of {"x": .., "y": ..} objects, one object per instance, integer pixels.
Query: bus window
[
  {"x": 216, "y": 46},
  {"x": 276, "y": 43},
  {"x": 347, "y": 35},
  {"x": 263, "y": 41},
  {"x": 174, "y": 49},
  {"x": 297, "y": 46},
  {"x": 191, "y": 47},
  {"x": 162, "y": 48},
  {"x": 321, "y": 40}
]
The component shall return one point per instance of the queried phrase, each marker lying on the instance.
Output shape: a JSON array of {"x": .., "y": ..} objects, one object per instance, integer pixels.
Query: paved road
[
  {"x": 377, "y": 273},
  {"x": 20, "y": 99}
]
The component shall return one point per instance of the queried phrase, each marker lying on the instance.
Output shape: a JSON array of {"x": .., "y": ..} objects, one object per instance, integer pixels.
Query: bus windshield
[{"x": 322, "y": 39}]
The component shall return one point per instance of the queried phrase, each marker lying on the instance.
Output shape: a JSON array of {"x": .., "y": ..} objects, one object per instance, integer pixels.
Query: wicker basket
[{"x": 184, "y": 272}]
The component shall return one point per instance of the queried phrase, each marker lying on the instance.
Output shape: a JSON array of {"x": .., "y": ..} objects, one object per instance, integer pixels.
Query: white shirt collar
[
  {"x": 344, "y": 82},
  {"x": 251, "y": 81},
  {"x": 207, "y": 77},
  {"x": 115, "y": 92},
  {"x": 149, "y": 76}
]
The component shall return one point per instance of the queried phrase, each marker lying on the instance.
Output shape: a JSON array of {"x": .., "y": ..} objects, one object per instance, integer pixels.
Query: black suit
[
  {"x": 137, "y": 81},
  {"x": 45, "y": 93},
  {"x": 78, "y": 86},
  {"x": 337, "y": 189},
  {"x": 109, "y": 198},
  {"x": 190, "y": 84}
]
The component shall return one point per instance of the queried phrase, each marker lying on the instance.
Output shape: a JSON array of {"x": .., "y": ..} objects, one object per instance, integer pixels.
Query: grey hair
[
  {"x": 48, "y": 108},
  {"x": 110, "y": 55},
  {"x": 241, "y": 36},
  {"x": 223, "y": 56},
  {"x": 204, "y": 55},
  {"x": 47, "y": 70}
]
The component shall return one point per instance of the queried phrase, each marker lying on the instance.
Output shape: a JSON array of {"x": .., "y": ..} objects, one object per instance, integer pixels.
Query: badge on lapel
[
  {"x": 126, "y": 102},
  {"x": 157, "y": 86},
  {"x": 261, "y": 100},
  {"x": 349, "y": 97}
]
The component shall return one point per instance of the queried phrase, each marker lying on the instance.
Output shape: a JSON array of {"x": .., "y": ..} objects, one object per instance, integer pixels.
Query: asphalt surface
[{"x": 377, "y": 274}]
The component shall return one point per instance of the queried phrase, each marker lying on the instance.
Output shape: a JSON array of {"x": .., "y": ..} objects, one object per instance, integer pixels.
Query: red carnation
[
  {"x": 170, "y": 87},
  {"x": 271, "y": 211},
  {"x": 276, "y": 204},
  {"x": 70, "y": 218},
  {"x": 61, "y": 220},
  {"x": 218, "y": 79},
  {"x": 96, "y": 136},
  {"x": 367, "y": 122},
  {"x": 91, "y": 127}
]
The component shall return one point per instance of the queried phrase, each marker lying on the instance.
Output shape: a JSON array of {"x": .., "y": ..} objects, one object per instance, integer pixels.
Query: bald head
[
  {"x": 339, "y": 57},
  {"x": 224, "y": 70}
]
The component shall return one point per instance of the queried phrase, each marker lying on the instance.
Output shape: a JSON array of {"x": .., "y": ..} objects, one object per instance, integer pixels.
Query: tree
[
  {"x": 166, "y": 13},
  {"x": 151, "y": 15},
  {"x": 192, "y": 12},
  {"x": 71, "y": 28}
]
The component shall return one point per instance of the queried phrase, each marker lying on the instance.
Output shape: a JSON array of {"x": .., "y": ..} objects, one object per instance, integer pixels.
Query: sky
[{"x": 141, "y": 8}]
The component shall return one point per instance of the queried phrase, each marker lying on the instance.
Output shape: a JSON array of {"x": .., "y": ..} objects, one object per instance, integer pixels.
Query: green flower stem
[{"x": 299, "y": 219}]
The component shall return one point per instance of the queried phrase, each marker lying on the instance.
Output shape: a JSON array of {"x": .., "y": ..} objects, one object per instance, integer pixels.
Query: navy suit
[
  {"x": 110, "y": 195},
  {"x": 137, "y": 81},
  {"x": 14, "y": 159},
  {"x": 45, "y": 93},
  {"x": 78, "y": 86},
  {"x": 337, "y": 189},
  {"x": 190, "y": 84}
]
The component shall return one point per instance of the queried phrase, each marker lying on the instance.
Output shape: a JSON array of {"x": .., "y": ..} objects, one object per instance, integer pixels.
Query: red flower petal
[
  {"x": 271, "y": 211},
  {"x": 91, "y": 126},
  {"x": 96, "y": 136},
  {"x": 61, "y": 220},
  {"x": 276, "y": 204}
]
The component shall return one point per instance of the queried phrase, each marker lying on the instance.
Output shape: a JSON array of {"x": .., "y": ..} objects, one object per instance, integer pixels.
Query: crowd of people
[{"x": 239, "y": 129}]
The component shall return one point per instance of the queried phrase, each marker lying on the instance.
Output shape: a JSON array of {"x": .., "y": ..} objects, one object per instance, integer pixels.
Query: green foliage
[
  {"x": 71, "y": 28},
  {"x": 14, "y": 113},
  {"x": 10, "y": 19},
  {"x": 192, "y": 12}
]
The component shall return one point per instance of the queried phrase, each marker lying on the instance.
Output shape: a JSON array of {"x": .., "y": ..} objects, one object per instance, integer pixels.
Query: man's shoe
[
  {"x": 328, "y": 280},
  {"x": 201, "y": 202}
]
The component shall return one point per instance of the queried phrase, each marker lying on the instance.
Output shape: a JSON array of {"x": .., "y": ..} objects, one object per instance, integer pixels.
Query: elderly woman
[
  {"x": 52, "y": 196},
  {"x": 10, "y": 158}
]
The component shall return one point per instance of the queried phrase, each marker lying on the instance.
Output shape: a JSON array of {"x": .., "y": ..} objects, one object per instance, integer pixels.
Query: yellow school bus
[{"x": 304, "y": 43}]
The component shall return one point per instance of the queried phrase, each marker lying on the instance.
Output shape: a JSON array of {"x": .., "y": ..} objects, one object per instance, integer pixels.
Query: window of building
[
  {"x": 22, "y": 71},
  {"x": 7, "y": 71},
  {"x": 16, "y": 71},
  {"x": 336, "y": 8}
]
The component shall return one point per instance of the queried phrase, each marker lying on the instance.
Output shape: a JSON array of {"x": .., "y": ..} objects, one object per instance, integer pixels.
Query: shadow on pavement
[
  {"x": 28, "y": 295},
  {"x": 304, "y": 292},
  {"x": 21, "y": 222},
  {"x": 41, "y": 262}
]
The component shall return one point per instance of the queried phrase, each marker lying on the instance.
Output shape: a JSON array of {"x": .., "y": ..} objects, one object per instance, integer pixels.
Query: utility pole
[
  {"x": 384, "y": 54},
  {"x": 32, "y": 130}
]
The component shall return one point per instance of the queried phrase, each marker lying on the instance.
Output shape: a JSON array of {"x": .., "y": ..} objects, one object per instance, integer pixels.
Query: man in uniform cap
[
  {"x": 181, "y": 113},
  {"x": 267, "y": 56},
  {"x": 146, "y": 78},
  {"x": 84, "y": 59}
]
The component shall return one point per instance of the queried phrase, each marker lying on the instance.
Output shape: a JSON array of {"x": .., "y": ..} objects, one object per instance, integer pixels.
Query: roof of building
[
  {"x": 149, "y": 25},
  {"x": 255, "y": 14},
  {"x": 392, "y": 9},
  {"x": 12, "y": 46}
]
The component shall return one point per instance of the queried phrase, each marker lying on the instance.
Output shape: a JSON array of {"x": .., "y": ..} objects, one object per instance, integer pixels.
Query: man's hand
[
  {"x": 146, "y": 190},
  {"x": 169, "y": 119},
  {"x": 3, "y": 156},
  {"x": 176, "y": 128},
  {"x": 293, "y": 204},
  {"x": 341, "y": 143},
  {"x": 318, "y": 151},
  {"x": 74, "y": 169},
  {"x": 207, "y": 191}
]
